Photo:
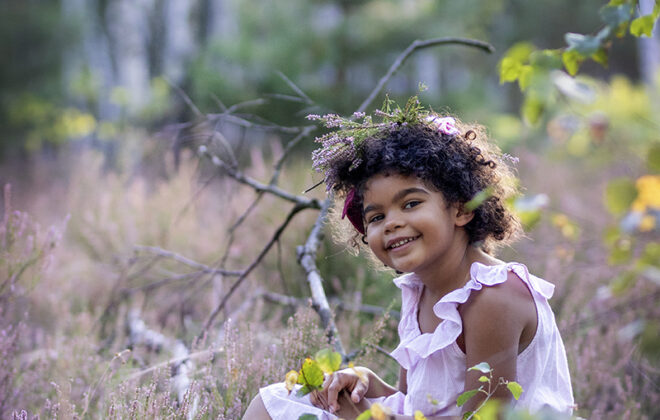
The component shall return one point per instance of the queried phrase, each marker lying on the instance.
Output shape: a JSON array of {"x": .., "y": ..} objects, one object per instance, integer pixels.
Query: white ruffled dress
[{"x": 436, "y": 365}]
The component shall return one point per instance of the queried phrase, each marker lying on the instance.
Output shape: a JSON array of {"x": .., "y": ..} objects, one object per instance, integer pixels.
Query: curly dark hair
[{"x": 458, "y": 166}]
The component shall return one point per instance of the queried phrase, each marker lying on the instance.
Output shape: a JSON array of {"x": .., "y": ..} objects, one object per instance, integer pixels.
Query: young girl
[{"x": 427, "y": 195}]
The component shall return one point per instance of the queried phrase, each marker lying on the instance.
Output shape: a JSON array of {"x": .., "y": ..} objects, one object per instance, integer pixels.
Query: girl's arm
[
  {"x": 403, "y": 380},
  {"x": 494, "y": 320}
]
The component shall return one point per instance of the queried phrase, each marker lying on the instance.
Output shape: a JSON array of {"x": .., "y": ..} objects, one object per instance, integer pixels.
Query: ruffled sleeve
[{"x": 414, "y": 345}]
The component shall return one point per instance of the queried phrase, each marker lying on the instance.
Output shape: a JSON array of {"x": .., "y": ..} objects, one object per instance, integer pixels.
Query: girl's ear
[{"x": 463, "y": 216}]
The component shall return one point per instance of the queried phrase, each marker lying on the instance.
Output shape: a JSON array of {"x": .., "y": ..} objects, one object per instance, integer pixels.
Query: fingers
[
  {"x": 334, "y": 388},
  {"x": 358, "y": 391}
]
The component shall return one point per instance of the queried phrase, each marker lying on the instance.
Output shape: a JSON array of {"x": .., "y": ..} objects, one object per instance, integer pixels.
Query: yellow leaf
[
  {"x": 647, "y": 223},
  {"x": 379, "y": 411},
  {"x": 572, "y": 60},
  {"x": 290, "y": 380},
  {"x": 509, "y": 70},
  {"x": 419, "y": 415},
  {"x": 648, "y": 193},
  {"x": 525, "y": 76}
]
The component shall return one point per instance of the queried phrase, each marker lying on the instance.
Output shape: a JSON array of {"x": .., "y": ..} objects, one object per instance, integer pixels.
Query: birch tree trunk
[
  {"x": 128, "y": 28},
  {"x": 179, "y": 39},
  {"x": 649, "y": 49},
  {"x": 221, "y": 20}
]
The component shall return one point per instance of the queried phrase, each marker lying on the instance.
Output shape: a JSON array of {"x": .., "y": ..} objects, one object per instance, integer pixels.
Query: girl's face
[{"x": 409, "y": 226}]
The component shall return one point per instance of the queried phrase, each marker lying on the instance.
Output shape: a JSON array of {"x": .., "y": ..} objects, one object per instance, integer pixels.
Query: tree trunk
[
  {"x": 179, "y": 40},
  {"x": 128, "y": 23},
  {"x": 649, "y": 49}
]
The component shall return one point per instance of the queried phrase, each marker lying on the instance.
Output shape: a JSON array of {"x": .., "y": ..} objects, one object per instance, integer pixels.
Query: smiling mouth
[{"x": 402, "y": 242}]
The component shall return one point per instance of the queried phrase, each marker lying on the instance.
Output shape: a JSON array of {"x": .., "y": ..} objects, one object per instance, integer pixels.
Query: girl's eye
[
  {"x": 375, "y": 218},
  {"x": 411, "y": 204}
]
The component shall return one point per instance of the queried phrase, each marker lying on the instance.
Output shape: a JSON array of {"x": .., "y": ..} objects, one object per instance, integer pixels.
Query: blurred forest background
[{"x": 119, "y": 232}]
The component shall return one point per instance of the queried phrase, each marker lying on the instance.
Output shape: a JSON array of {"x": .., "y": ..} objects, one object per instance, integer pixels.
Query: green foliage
[
  {"x": 642, "y": 26},
  {"x": 308, "y": 417},
  {"x": 465, "y": 396},
  {"x": 311, "y": 377},
  {"x": 489, "y": 408},
  {"x": 521, "y": 62},
  {"x": 329, "y": 361},
  {"x": 365, "y": 415},
  {"x": 619, "y": 195},
  {"x": 482, "y": 367},
  {"x": 311, "y": 374},
  {"x": 515, "y": 388},
  {"x": 479, "y": 199},
  {"x": 653, "y": 158}
]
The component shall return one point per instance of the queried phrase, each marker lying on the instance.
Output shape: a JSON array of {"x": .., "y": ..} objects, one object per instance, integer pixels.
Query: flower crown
[{"x": 346, "y": 142}]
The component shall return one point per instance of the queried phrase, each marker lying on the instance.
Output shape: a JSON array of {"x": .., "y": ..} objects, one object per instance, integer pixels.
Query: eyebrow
[{"x": 397, "y": 197}]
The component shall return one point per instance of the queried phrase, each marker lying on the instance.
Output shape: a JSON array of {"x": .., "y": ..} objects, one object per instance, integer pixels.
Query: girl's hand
[{"x": 354, "y": 380}]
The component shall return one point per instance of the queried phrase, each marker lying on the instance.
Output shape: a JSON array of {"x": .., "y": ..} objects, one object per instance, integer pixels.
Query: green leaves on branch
[
  {"x": 515, "y": 389},
  {"x": 643, "y": 25},
  {"x": 530, "y": 67},
  {"x": 488, "y": 408},
  {"x": 464, "y": 397}
]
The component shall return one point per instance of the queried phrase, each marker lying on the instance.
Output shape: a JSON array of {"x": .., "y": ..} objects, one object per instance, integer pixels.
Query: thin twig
[
  {"x": 311, "y": 203},
  {"x": 186, "y": 98},
  {"x": 295, "y": 88},
  {"x": 162, "y": 282},
  {"x": 339, "y": 304},
  {"x": 273, "y": 180},
  {"x": 180, "y": 258},
  {"x": 418, "y": 45},
  {"x": 242, "y": 122},
  {"x": 295, "y": 210}
]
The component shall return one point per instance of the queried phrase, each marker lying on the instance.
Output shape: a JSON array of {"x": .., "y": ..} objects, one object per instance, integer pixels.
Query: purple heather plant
[{"x": 344, "y": 143}]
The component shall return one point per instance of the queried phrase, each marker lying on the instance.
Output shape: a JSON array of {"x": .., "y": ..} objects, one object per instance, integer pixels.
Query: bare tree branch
[
  {"x": 186, "y": 98},
  {"x": 418, "y": 45},
  {"x": 296, "y": 209},
  {"x": 162, "y": 282},
  {"x": 140, "y": 334},
  {"x": 295, "y": 88},
  {"x": 273, "y": 180},
  {"x": 299, "y": 201},
  {"x": 194, "y": 264},
  {"x": 307, "y": 259},
  {"x": 339, "y": 304}
]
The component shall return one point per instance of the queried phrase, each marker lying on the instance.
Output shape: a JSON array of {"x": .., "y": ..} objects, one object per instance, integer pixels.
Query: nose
[{"x": 393, "y": 223}]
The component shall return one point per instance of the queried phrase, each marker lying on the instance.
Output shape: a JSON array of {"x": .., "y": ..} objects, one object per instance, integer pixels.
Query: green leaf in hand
[
  {"x": 311, "y": 377},
  {"x": 366, "y": 415},
  {"x": 329, "y": 361}
]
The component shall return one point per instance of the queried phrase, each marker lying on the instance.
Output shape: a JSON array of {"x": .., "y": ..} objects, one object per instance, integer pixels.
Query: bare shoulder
[{"x": 509, "y": 301}]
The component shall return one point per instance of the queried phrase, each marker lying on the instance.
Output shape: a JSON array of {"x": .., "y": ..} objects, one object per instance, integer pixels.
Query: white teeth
[{"x": 401, "y": 242}]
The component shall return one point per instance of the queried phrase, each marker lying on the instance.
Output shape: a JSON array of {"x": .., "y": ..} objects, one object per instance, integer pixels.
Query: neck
[{"x": 453, "y": 271}]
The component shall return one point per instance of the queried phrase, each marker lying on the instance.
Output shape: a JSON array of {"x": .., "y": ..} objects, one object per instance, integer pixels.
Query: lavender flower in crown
[{"x": 344, "y": 144}]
